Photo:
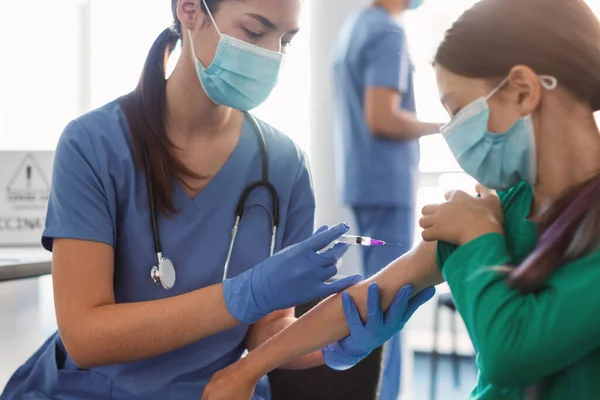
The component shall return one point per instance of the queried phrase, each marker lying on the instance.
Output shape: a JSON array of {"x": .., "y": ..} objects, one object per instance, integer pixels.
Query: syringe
[{"x": 360, "y": 240}]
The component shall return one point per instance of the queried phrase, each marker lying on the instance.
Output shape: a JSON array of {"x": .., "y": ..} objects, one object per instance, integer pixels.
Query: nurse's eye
[
  {"x": 286, "y": 43},
  {"x": 252, "y": 34}
]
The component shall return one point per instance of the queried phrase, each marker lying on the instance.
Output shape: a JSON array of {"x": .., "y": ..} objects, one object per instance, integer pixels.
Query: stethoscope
[{"x": 164, "y": 273}]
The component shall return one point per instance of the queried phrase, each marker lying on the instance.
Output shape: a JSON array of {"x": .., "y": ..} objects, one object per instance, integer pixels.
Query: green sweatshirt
[{"x": 551, "y": 337}]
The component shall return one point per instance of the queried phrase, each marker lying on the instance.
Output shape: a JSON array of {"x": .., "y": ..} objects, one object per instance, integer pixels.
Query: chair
[
  {"x": 444, "y": 301},
  {"x": 323, "y": 383}
]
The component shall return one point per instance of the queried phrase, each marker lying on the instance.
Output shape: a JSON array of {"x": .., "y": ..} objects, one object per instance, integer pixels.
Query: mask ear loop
[
  {"x": 497, "y": 89},
  {"x": 192, "y": 52},
  {"x": 211, "y": 17},
  {"x": 194, "y": 58},
  {"x": 548, "y": 82},
  {"x": 476, "y": 106}
]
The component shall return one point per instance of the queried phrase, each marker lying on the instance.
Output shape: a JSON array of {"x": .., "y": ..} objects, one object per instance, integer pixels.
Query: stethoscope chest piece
[{"x": 164, "y": 273}]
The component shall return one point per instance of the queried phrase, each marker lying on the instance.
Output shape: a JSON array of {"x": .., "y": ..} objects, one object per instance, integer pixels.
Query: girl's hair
[
  {"x": 145, "y": 110},
  {"x": 560, "y": 38}
]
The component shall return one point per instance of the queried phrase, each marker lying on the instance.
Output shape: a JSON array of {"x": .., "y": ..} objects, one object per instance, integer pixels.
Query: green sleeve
[
  {"x": 524, "y": 338},
  {"x": 443, "y": 251}
]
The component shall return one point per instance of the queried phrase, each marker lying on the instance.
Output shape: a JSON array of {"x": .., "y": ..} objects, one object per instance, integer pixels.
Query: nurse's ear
[
  {"x": 190, "y": 14},
  {"x": 524, "y": 84}
]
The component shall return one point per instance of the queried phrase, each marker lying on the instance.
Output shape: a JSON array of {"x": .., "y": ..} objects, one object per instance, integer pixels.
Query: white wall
[
  {"x": 43, "y": 74},
  {"x": 327, "y": 17}
]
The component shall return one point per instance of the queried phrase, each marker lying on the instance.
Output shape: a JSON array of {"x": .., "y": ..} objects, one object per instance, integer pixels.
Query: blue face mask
[
  {"x": 496, "y": 160},
  {"x": 242, "y": 75},
  {"x": 414, "y": 4}
]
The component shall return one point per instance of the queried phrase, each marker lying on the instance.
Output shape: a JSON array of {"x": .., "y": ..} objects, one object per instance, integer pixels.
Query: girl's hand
[
  {"x": 491, "y": 201},
  {"x": 231, "y": 383},
  {"x": 463, "y": 217}
]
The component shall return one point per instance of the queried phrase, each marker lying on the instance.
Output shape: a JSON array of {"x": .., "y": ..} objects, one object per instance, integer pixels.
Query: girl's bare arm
[{"x": 325, "y": 324}]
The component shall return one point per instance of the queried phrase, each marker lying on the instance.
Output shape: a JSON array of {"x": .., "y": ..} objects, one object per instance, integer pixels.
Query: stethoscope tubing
[{"x": 239, "y": 212}]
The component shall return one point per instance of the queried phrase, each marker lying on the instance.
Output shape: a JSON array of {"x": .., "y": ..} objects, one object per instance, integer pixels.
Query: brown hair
[
  {"x": 145, "y": 110},
  {"x": 560, "y": 38}
]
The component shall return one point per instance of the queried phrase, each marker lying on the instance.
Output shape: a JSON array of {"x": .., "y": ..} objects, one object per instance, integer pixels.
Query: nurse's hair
[
  {"x": 145, "y": 111},
  {"x": 560, "y": 38}
]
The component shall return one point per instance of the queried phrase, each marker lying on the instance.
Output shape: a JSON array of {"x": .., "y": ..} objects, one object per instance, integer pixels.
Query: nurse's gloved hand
[
  {"x": 378, "y": 329},
  {"x": 293, "y": 276}
]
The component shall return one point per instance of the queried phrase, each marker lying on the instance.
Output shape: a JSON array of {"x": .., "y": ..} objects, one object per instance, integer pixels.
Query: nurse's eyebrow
[{"x": 268, "y": 24}]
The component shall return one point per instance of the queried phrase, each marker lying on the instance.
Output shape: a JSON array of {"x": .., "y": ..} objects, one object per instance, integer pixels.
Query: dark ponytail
[
  {"x": 145, "y": 110},
  {"x": 569, "y": 230}
]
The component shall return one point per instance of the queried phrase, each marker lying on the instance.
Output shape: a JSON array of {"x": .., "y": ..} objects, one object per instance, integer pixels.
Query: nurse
[{"x": 157, "y": 176}]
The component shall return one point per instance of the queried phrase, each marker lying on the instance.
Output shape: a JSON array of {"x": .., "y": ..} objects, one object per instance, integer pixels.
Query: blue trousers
[{"x": 393, "y": 225}]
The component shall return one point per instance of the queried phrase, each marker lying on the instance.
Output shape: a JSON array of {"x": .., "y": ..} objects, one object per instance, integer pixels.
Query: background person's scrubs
[
  {"x": 378, "y": 177},
  {"x": 99, "y": 195}
]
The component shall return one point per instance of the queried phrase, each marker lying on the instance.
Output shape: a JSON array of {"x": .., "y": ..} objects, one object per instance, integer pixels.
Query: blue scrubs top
[
  {"x": 371, "y": 51},
  {"x": 98, "y": 194}
]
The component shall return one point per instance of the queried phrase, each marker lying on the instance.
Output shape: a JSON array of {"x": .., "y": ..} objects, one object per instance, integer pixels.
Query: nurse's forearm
[
  {"x": 125, "y": 332},
  {"x": 326, "y": 323}
]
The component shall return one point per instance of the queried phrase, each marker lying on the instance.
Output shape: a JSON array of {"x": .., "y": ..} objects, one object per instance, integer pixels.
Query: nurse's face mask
[
  {"x": 496, "y": 160},
  {"x": 242, "y": 75}
]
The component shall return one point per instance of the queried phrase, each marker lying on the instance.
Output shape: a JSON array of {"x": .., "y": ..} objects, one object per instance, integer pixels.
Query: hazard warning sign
[
  {"x": 25, "y": 177},
  {"x": 28, "y": 186}
]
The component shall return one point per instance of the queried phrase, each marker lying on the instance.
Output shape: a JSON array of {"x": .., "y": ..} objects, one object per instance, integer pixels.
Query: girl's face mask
[{"x": 496, "y": 160}]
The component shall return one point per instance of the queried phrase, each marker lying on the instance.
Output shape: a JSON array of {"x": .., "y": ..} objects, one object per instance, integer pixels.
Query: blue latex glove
[
  {"x": 293, "y": 276},
  {"x": 365, "y": 338}
]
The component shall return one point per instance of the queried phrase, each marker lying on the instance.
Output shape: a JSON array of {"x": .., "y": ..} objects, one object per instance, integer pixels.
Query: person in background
[{"x": 377, "y": 140}]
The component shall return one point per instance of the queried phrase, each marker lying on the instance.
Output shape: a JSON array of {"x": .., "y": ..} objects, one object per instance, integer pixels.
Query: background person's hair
[
  {"x": 145, "y": 111},
  {"x": 560, "y": 38}
]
